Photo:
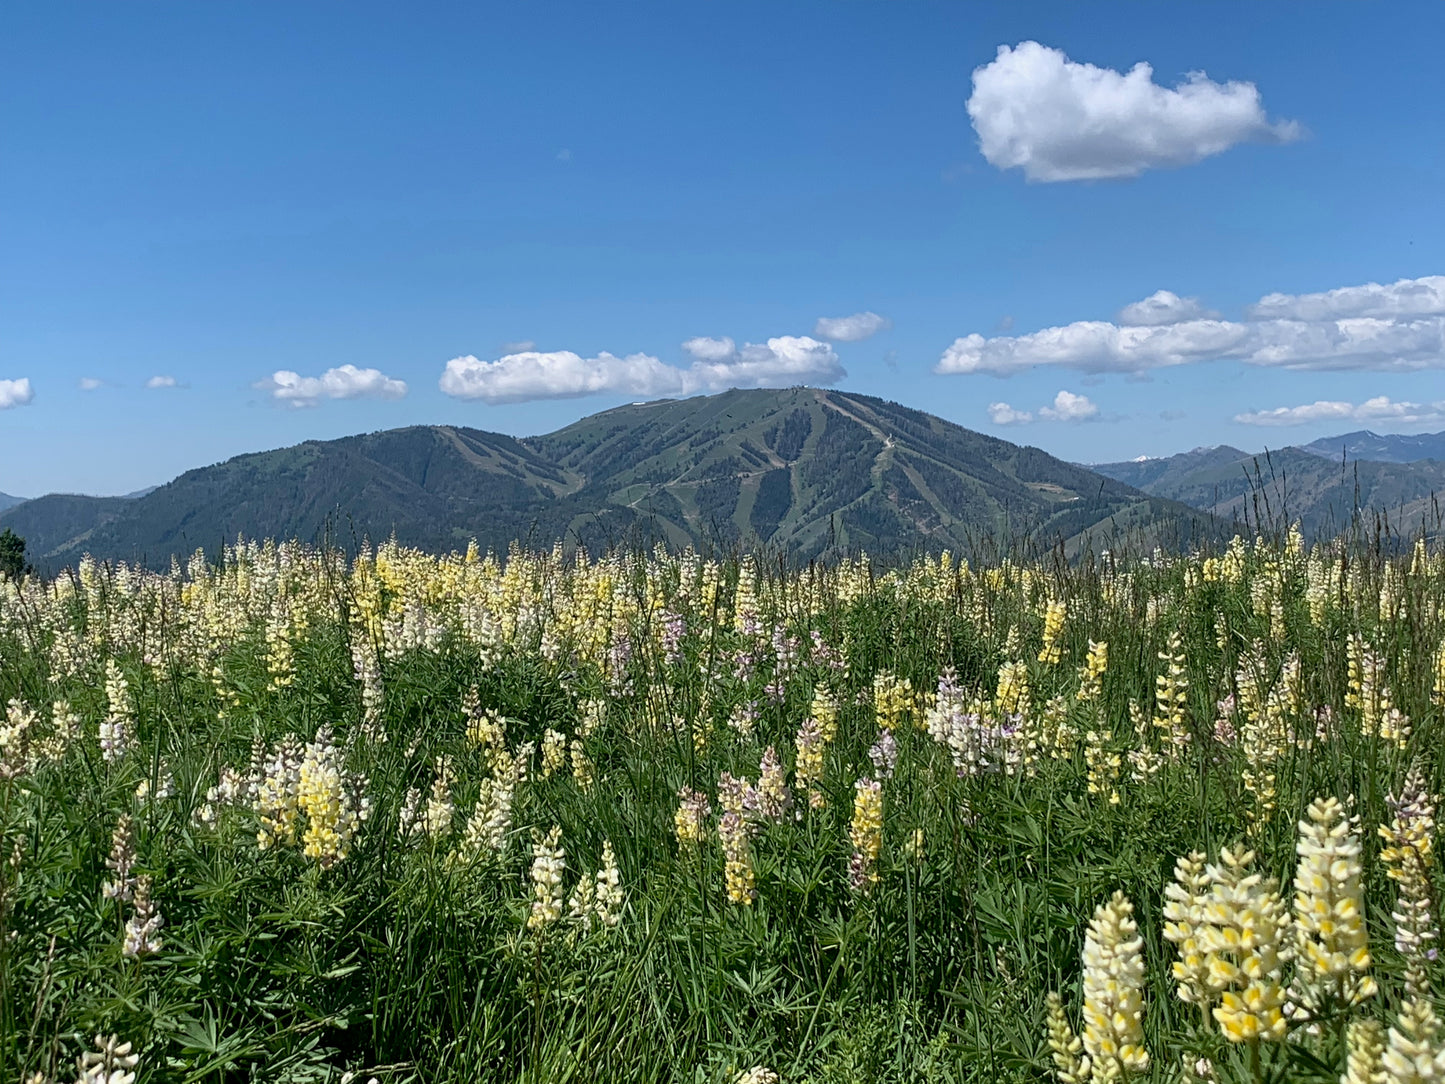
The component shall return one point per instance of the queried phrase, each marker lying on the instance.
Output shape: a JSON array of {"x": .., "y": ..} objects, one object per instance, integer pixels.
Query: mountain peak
[{"x": 805, "y": 471}]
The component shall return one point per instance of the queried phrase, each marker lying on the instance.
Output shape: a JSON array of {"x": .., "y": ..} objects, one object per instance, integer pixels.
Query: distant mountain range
[
  {"x": 1381, "y": 449},
  {"x": 7, "y": 501},
  {"x": 802, "y": 471},
  {"x": 1323, "y": 491}
]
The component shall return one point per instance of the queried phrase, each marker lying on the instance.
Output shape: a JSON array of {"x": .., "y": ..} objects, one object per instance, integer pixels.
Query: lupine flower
[
  {"x": 549, "y": 863},
  {"x": 893, "y": 700},
  {"x": 491, "y": 818},
  {"x": 884, "y": 754},
  {"x": 866, "y": 833},
  {"x": 1414, "y": 1053},
  {"x": 1332, "y": 954},
  {"x": 1171, "y": 690},
  {"x": 583, "y": 771},
  {"x": 328, "y": 796},
  {"x": 1184, "y": 915},
  {"x": 15, "y": 727},
  {"x": 1113, "y": 991},
  {"x": 111, "y": 1063},
  {"x": 1365, "y": 1048},
  {"x": 554, "y": 751},
  {"x": 1409, "y": 858},
  {"x": 609, "y": 895},
  {"x": 689, "y": 823},
  {"x": 1091, "y": 674},
  {"x": 1243, "y": 934},
  {"x": 437, "y": 820},
  {"x": 739, "y": 801},
  {"x": 774, "y": 797},
  {"x": 1054, "y": 615},
  {"x": 122, "y": 859},
  {"x": 808, "y": 767},
  {"x": 756, "y": 1075},
  {"x": 141, "y": 930},
  {"x": 1071, "y": 1064},
  {"x": 276, "y": 795}
]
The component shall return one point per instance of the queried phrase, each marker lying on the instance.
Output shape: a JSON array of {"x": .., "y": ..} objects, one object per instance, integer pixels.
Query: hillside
[
  {"x": 1386, "y": 448},
  {"x": 1292, "y": 484},
  {"x": 801, "y": 471},
  {"x": 7, "y": 501}
]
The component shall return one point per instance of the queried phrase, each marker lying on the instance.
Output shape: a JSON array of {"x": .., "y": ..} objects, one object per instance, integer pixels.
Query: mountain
[
  {"x": 1387, "y": 448},
  {"x": 1291, "y": 484},
  {"x": 7, "y": 501},
  {"x": 802, "y": 471}
]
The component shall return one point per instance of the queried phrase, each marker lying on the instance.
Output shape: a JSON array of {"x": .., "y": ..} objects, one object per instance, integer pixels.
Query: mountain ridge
[{"x": 803, "y": 471}]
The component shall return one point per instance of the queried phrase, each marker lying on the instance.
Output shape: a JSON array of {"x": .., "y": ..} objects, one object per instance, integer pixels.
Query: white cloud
[
  {"x": 14, "y": 393},
  {"x": 90, "y": 383},
  {"x": 1408, "y": 297},
  {"x": 1162, "y": 308},
  {"x": 851, "y": 329},
  {"x": 1069, "y": 407},
  {"x": 1003, "y": 414},
  {"x": 1380, "y": 408},
  {"x": 561, "y": 374},
  {"x": 521, "y": 346},
  {"x": 157, "y": 382},
  {"x": 1066, "y": 407},
  {"x": 1410, "y": 340},
  {"x": 717, "y": 364},
  {"x": 1035, "y": 109},
  {"x": 785, "y": 359},
  {"x": 342, "y": 382},
  {"x": 705, "y": 349}
]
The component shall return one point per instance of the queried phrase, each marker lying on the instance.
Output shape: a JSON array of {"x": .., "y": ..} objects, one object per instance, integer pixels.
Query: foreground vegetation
[{"x": 295, "y": 818}]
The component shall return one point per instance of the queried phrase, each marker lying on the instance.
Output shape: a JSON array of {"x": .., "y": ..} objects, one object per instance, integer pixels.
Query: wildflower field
[{"x": 300, "y": 817}]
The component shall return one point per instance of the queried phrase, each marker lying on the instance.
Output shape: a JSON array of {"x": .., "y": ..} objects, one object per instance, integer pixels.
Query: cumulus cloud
[
  {"x": 1162, "y": 308},
  {"x": 1066, "y": 407},
  {"x": 1380, "y": 408},
  {"x": 560, "y": 374},
  {"x": 1398, "y": 328},
  {"x": 1058, "y": 120},
  {"x": 717, "y": 364},
  {"x": 851, "y": 329},
  {"x": 14, "y": 393},
  {"x": 90, "y": 383},
  {"x": 1003, "y": 414},
  {"x": 158, "y": 382},
  {"x": 706, "y": 349},
  {"x": 342, "y": 382},
  {"x": 1407, "y": 297}
]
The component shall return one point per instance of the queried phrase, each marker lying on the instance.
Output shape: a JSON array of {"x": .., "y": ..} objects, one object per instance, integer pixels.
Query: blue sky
[{"x": 240, "y": 199}]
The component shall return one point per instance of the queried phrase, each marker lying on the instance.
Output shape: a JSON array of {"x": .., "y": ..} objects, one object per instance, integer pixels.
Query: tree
[{"x": 12, "y": 554}]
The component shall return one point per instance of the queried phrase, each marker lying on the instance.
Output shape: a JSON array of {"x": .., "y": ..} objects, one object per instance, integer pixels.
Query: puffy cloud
[
  {"x": 851, "y": 329},
  {"x": 1069, "y": 407},
  {"x": 717, "y": 364},
  {"x": 1003, "y": 414},
  {"x": 158, "y": 382},
  {"x": 342, "y": 382},
  {"x": 786, "y": 359},
  {"x": 14, "y": 393},
  {"x": 1035, "y": 109},
  {"x": 90, "y": 383},
  {"x": 1408, "y": 297},
  {"x": 1380, "y": 408},
  {"x": 1066, "y": 407},
  {"x": 706, "y": 349},
  {"x": 1312, "y": 337},
  {"x": 1162, "y": 308},
  {"x": 561, "y": 374}
]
